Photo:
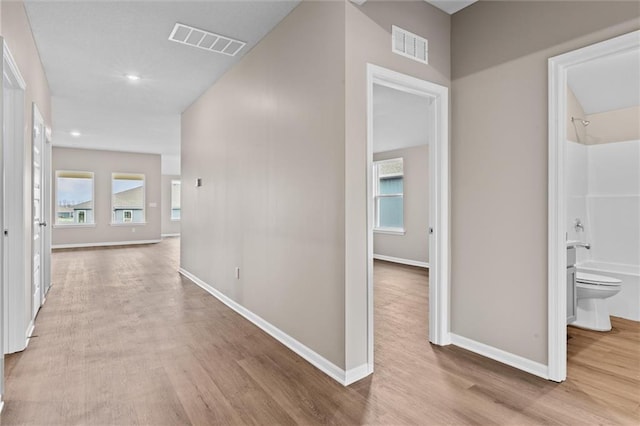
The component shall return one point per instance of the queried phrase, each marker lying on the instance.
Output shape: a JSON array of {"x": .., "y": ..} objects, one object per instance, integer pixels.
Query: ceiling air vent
[
  {"x": 205, "y": 40},
  {"x": 410, "y": 45}
]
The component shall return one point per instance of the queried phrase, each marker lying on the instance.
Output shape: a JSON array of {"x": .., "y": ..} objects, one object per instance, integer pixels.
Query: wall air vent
[
  {"x": 206, "y": 40},
  {"x": 410, "y": 45}
]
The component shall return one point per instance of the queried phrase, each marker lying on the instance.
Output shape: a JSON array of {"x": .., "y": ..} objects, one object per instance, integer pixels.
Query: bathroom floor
[{"x": 607, "y": 364}]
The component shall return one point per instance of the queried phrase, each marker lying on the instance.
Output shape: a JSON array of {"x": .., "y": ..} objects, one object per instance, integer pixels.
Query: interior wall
[
  {"x": 169, "y": 227},
  {"x": 414, "y": 244},
  {"x": 614, "y": 126},
  {"x": 16, "y": 31},
  {"x": 272, "y": 195},
  {"x": 368, "y": 40},
  {"x": 576, "y": 132},
  {"x": 499, "y": 160},
  {"x": 103, "y": 164}
]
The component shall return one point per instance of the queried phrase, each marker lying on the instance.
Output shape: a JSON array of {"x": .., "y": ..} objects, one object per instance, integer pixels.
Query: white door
[{"x": 38, "y": 221}]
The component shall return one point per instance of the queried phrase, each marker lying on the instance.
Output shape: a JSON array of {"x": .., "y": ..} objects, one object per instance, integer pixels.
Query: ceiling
[
  {"x": 451, "y": 6},
  {"x": 400, "y": 119},
  {"x": 607, "y": 84},
  {"x": 87, "y": 48}
]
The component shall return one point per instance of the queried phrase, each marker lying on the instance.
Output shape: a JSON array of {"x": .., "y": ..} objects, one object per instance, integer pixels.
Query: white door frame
[
  {"x": 11, "y": 138},
  {"x": 38, "y": 141},
  {"x": 438, "y": 210},
  {"x": 557, "y": 250},
  {"x": 47, "y": 198}
]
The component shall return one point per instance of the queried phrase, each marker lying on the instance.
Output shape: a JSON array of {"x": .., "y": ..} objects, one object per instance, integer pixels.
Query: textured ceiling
[
  {"x": 607, "y": 84},
  {"x": 87, "y": 47},
  {"x": 400, "y": 120}
]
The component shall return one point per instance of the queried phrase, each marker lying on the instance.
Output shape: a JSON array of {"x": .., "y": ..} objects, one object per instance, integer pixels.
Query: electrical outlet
[{"x": 237, "y": 272}]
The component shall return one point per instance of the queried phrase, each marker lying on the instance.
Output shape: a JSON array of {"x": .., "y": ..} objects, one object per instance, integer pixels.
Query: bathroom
[{"x": 603, "y": 189}]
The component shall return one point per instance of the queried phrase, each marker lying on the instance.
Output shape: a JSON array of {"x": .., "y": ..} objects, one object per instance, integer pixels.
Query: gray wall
[
  {"x": 268, "y": 142},
  {"x": 103, "y": 164},
  {"x": 414, "y": 244},
  {"x": 499, "y": 160},
  {"x": 368, "y": 39},
  {"x": 168, "y": 226}
]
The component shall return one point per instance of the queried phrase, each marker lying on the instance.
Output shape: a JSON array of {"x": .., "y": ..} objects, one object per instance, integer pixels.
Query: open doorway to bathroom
[
  {"x": 594, "y": 205},
  {"x": 407, "y": 211}
]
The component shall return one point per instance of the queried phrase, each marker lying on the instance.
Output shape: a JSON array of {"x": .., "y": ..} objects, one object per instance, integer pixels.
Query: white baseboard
[
  {"x": 400, "y": 260},
  {"x": 170, "y": 235},
  {"x": 338, "y": 374},
  {"x": 32, "y": 327},
  {"x": 499, "y": 355},
  {"x": 357, "y": 373},
  {"x": 104, "y": 244}
]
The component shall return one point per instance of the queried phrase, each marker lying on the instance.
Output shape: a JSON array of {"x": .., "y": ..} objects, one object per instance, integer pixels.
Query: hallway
[{"x": 123, "y": 339}]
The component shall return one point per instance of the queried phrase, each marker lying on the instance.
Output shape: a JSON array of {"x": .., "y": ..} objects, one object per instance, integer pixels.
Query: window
[
  {"x": 127, "y": 198},
  {"x": 175, "y": 200},
  {"x": 389, "y": 195},
  {"x": 74, "y": 198}
]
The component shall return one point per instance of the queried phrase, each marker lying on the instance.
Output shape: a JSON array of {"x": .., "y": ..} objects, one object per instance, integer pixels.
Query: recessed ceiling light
[
  {"x": 75, "y": 133},
  {"x": 133, "y": 77}
]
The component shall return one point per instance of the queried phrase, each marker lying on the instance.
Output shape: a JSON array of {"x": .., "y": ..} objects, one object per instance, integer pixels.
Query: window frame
[
  {"x": 173, "y": 219},
  {"x": 57, "y": 175},
  {"x": 143, "y": 178},
  {"x": 377, "y": 196}
]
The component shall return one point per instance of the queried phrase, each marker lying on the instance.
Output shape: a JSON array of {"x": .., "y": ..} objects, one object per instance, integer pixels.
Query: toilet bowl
[{"x": 592, "y": 290}]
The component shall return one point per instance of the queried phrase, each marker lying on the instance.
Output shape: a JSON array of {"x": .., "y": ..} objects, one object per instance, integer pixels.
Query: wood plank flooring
[{"x": 123, "y": 339}]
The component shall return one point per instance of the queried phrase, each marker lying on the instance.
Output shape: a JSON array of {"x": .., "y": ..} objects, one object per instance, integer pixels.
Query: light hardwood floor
[{"x": 123, "y": 339}]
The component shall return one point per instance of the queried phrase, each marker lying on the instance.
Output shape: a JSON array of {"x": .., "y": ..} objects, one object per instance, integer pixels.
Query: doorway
[
  {"x": 562, "y": 290},
  {"x": 435, "y": 100}
]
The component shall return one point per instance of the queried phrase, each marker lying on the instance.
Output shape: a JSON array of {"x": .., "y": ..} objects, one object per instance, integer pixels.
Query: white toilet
[{"x": 592, "y": 290}]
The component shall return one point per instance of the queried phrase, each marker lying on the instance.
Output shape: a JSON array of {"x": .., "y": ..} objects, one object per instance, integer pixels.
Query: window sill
[
  {"x": 389, "y": 231},
  {"x": 175, "y": 220},
  {"x": 128, "y": 224},
  {"x": 74, "y": 225}
]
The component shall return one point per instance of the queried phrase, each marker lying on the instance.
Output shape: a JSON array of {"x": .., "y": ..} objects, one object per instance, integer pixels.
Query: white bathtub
[{"x": 625, "y": 304}]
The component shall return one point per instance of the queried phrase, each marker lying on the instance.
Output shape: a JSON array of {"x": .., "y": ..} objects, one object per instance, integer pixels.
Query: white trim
[
  {"x": 32, "y": 327},
  {"x": 400, "y": 260},
  {"x": 104, "y": 244},
  {"x": 170, "y": 235},
  {"x": 127, "y": 223},
  {"x": 13, "y": 66},
  {"x": 356, "y": 373},
  {"x": 389, "y": 231},
  {"x": 558, "y": 68},
  {"x": 439, "y": 195},
  {"x": 336, "y": 373},
  {"x": 516, "y": 361},
  {"x": 1, "y": 404}
]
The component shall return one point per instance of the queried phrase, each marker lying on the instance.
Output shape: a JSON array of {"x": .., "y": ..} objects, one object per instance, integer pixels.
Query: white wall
[
  {"x": 613, "y": 202},
  {"x": 414, "y": 244}
]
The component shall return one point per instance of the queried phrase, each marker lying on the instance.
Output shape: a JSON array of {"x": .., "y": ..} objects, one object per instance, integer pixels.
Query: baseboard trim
[
  {"x": 357, "y": 373},
  {"x": 169, "y": 235},
  {"x": 516, "y": 361},
  {"x": 400, "y": 260},
  {"x": 30, "y": 329},
  {"x": 104, "y": 244},
  {"x": 330, "y": 369}
]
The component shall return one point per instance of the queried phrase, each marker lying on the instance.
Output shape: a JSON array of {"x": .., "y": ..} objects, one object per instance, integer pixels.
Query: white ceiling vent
[
  {"x": 205, "y": 40},
  {"x": 410, "y": 45}
]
